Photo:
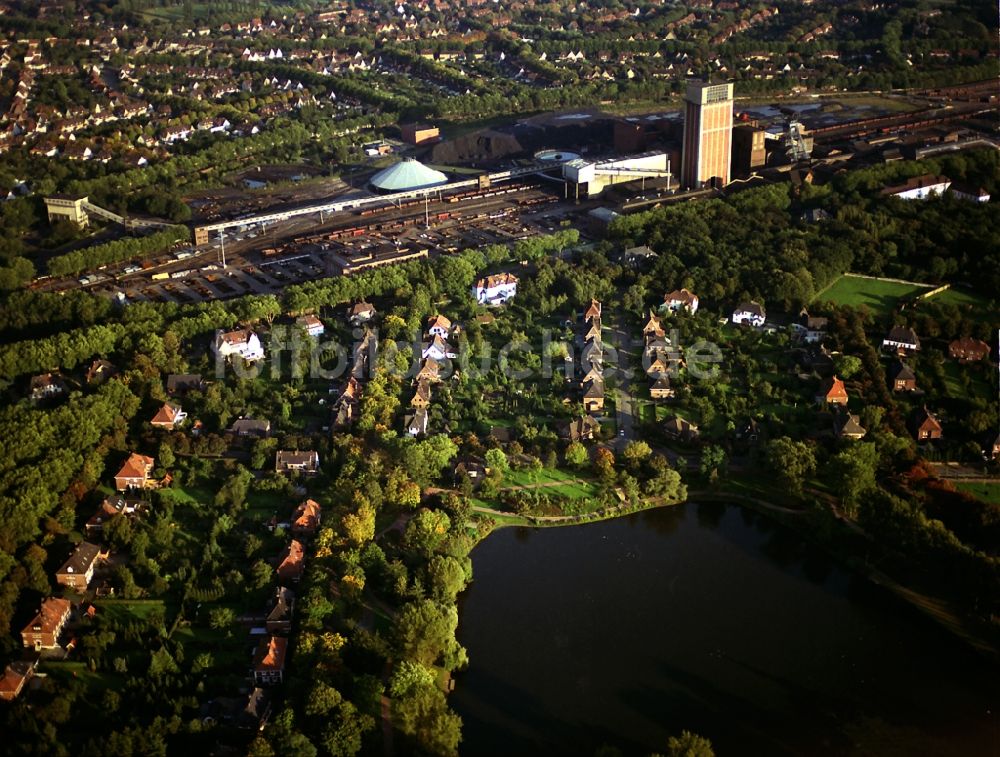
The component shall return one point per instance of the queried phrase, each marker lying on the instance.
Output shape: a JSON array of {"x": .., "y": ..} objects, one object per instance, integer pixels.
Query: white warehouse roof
[{"x": 409, "y": 174}]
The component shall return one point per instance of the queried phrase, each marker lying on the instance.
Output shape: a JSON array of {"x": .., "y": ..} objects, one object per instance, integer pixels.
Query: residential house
[
  {"x": 257, "y": 710},
  {"x": 680, "y": 300},
  {"x": 242, "y": 343},
  {"x": 291, "y": 563},
  {"x": 832, "y": 392},
  {"x": 47, "y": 386},
  {"x": 901, "y": 339},
  {"x": 269, "y": 661},
  {"x": 289, "y": 461},
  {"x": 919, "y": 188},
  {"x": 653, "y": 328},
  {"x": 593, "y": 333},
  {"x": 78, "y": 570},
  {"x": 248, "y": 427},
  {"x": 969, "y": 350},
  {"x": 810, "y": 329},
  {"x": 306, "y": 519},
  {"x": 421, "y": 396},
  {"x": 902, "y": 378},
  {"x": 312, "y": 325},
  {"x": 661, "y": 389},
  {"x": 925, "y": 426},
  {"x": 415, "y": 424},
  {"x": 680, "y": 429},
  {"x": 848, "y": 426},
  {"x": 964, "y": 191},
  {"x": 279, "y": 619},
  {"x": 439, "y": 325},
  {"x": 637, "y": 256},
  {"x": 107, "y": 510},
  {"x": 15, "y": 676},
  {"x": 180, "y": 383},
  {"x": 496, "y": 289},
  {"x": 44, "y": 629},
  {"x": 750, "y": 313},
  {"x": 100, "y": 370},
  {"x": 361, "y": 312},
  {"x": 593, "y": 312},
  {"x": 593, "y": 353},
  {"x": 470, "y": 467},
  {"x": 437, "y": 349},
  {"x": 581, "y": 429},
  {"x": 134, "y": 474},
  {"x": 429, "y": 371},
  {"x": 593, "y": 396},
  {"x": 168, "y": 416}
]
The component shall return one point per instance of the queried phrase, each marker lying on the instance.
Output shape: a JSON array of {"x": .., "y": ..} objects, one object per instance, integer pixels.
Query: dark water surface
[{"x": 709, "y": 618}]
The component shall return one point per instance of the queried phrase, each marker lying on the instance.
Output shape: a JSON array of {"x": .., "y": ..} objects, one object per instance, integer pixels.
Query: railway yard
[{"x": 302, "y": 248}]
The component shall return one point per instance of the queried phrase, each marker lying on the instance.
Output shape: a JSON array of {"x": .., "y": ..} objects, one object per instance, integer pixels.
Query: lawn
[
  {"x": 64, "y": 671},
  {"x": 124, "y": 610},
  {"x": 961, "y": 298},
  {"x": 879, "y": 296},
  {"x": 984, "y": 490},
  {"x": 543, "y": 476}
]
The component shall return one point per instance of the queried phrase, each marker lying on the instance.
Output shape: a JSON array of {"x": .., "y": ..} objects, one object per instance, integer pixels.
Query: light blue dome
[{"x": 406, "y": 175}]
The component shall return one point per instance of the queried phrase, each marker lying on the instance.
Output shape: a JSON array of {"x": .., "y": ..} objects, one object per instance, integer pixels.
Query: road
[{"x": 627, "y": 360}]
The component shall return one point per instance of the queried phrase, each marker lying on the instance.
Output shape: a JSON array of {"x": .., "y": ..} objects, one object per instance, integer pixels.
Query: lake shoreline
[{"x": 935, "y": 609}]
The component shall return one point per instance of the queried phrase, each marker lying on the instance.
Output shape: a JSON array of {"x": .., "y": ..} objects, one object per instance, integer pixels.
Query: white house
[
  {"x": 242, "y": 342},
  {"x": 969, "y": 192},
  {"x": 496, "y": 289},
  {"x": 919, "y": 188},
  {"x": 438, "y": 325},
  {"x": 312, "y": 325},
  {"x": 681, "y": 299},
  {"x": 416, "y": 424},
  {"x": 750, "y": 313},
  {"x": 901, "y": 338},
  {"x": 437, "y": 349}
]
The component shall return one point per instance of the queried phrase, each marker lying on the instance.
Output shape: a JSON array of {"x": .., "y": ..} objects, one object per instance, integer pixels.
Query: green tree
[
  {"x": 852, "y": 473},
  {"x": 713, "y": 461},
  {"x": 791, "y": 461},
  {"x": 847, "y": 365},
  {"x": 576, "y": 455}
]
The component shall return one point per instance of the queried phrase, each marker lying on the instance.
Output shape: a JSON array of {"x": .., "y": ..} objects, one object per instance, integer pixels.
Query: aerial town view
[{"x": 600, "y": 378}]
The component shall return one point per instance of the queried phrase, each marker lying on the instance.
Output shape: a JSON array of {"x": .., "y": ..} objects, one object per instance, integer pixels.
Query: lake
[{"x": 710, "y": 618}]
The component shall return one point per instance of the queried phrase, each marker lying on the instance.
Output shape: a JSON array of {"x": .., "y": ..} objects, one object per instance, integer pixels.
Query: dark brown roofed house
[
  {"x": 902, "y": 377},
  {"x": 78, "y": 570},
  {"x": 849, "y": 426},
  {"x": 901, "y": 339},
  {"x": 581, "y": 429},
  {"x": 969, "y": 350},
  {"x": 14, "y": 677},
  {"x": 926, "y": 426},
  {"x": 251, "y": 428},
  {"x": 679, "y": 428},
  {"x": 279, "y": 619},
  {"x": 178, "y": 383},
  {"x": 286, "y": 461},
  {"x": 44, "y": 629}
]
